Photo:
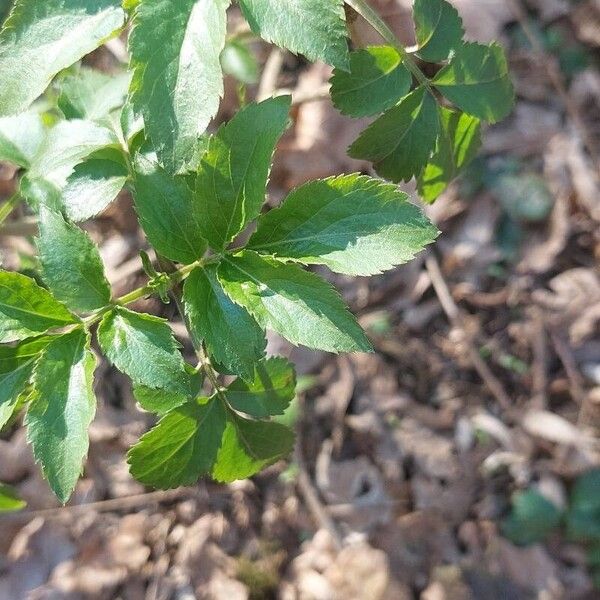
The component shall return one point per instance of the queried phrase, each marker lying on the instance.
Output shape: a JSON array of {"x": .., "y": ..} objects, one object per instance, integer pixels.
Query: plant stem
[
  {"x": 9, "y": 206},
  {"x": 379, "y": 25}
]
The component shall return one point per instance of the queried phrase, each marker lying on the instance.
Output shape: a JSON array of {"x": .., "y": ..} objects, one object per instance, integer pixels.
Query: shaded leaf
[{"x": 439, "y": 29}]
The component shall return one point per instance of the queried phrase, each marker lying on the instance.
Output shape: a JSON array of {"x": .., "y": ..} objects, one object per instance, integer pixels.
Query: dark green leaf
[
  {"x": 439, "y": 29},
  {"x": 61, "y": 410},
  {"x": 376, "y": 81},
  {"x": 583, "y": 520},
  {"x": 298, "y": 305},
  {"x": 143, "y": 347},
  {"x": 353, "y": 224},
  {"x": 20, "y": 138},
  {"x": 9, "y": 500},
  {"x": 26, "y": 309},
  {"x": 182, "y": 447},
  {"x": 250, "y": 446},
  {"x": 177, "y": 79},
  {"x": 232, "y": 180},
  {"x": 167, "y": 213},
  {"x": 71, "y": 264},
  {"x": 232, "y": 337},
  {"x": 39, "y": 39},
  {"x": 478, "y": 82},
  {"x": 313, "y": 28},
  {"x": 457, "y": 145},
  {"x": 402, "y": 139},
  {"x": 269, "y": 393}
]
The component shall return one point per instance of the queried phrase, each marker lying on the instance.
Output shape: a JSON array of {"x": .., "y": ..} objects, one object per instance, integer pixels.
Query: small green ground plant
[{"x": 80, "y": 136}]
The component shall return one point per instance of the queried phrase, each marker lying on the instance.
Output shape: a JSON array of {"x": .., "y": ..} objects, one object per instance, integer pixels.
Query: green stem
[
  {"x": 9, "y": 206},
  {"x": 379, "y": 25}
]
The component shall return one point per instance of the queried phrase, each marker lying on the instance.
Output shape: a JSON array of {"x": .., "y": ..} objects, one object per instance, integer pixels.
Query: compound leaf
[
  {"x": 27, "y": 310},
  {"x": 39, "y": 39},
  {"x": 182, "y": 447},
  {"x": 313, "y": 28},
  {"x": 269, "y": 393},
  {"x": 20, "y": 138},
  {"x": 16, "y": 367},
  {"x": 250, "y": 446},
  {"x": 478, "y": 82},
  {"x": 9, "y": 500},
  {"x": 402, "y": 139},
  {"x": 71, "y": 264},
  {"x": 167, "y": 213},
  {"x": 364, "y": 226},
  {"x": 143, "y": 347},
  {"x": 298, "y": 305},
  {"x": 232, "y": 337},
  {"x": 457, "y": 145},
  {"x": 177, "y": 79},
  {"x": 232, "y": 179},
  {"x": 376, "y": 81},
  {"x": 439, "y": 29},
  {"x": 62, "y": 407}
]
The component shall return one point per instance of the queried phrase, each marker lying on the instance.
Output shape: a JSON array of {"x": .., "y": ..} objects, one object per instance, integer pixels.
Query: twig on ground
[{"x": 270, "y": 75}]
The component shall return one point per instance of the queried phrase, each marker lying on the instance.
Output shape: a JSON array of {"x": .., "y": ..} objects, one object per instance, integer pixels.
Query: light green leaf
[
  {"x": 91, "y": 94},
  {"x": 143, "y": 347},
  {"x": 94, "y": 184},
  {"x": 376, "y": 81},
  {"x": 457, "y": 145},
  {"x": 232, "y": 179},
  {"x": 9, "y": 500},
  {"x": 20, "y": 138},
  {"x": 402, "y": 139},
  {"x": 71, "y": 264},
  {"x": 167, "y": 213},
  {"x": 39, "y": 39},
  {"x": 478, "y": 82},
  {"x": 354, "y": 224},
  {"x": 269, "y": 393},
  {"x": 439, "y": 29},
  {"x": 182, "y": 447},
  {"x": 16, "y": 367},
  {"x": 232, "y": 337},
  {"x": 26, "y": 309},
  {"x": 313, "y": 28},
  {"x": 238, "y": 61},
  {"x": 177, "y": 79},
  {"x": 250, "y": 446},
  {"x": 61, "y": 410},
  {"x": 298, "y": 305}
]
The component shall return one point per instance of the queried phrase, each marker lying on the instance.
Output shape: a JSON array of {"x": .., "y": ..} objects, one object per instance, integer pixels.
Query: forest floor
[{"x": 485, "y": 381}]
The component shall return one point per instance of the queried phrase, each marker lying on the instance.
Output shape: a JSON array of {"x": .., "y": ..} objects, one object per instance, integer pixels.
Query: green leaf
[
  {"x": 91, "y": 94},
  {"x": 39, "y": 39},
  {"x": 20, "y": 138},
  {"x": 532, "y": 518},
  {"x": 182, "y": 447},
  {"x": 232, "y": 337},
  {"x": 94, "y": 184},
  {"x": 71, "y": 264},
  {"x": 457, "y": 145},
  {"x": 269, "y": 393},
  {"x": 376, "y": 81},
  {"x": 583, "y": 519},
  {"x": 439, "y": 29},
  {"x": 353, "y": 224},
  {"x": 16, "y": 367},
  {"x": 298, "y": 305},
  {"x": 9, "y": 500},
  {"x": 177, "y": 79},
  {"x": 167, "y": 213},
  {"x": 313, "y": 28},
  {"x": 402, "y": 139},
  {"x": 250, "y": 446},
  {"x": 62, "y": 408},
  {"x": 26, "y": 309},
  {"x": 232, "y": 179},
  {"x": 143, "y": 347},
  {"x": 478, "y": 82},
  {"x": 238, "y": 61}
]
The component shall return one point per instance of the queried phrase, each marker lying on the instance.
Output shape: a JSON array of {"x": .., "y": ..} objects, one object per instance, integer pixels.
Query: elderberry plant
[{"x": 80, "y": 136}]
